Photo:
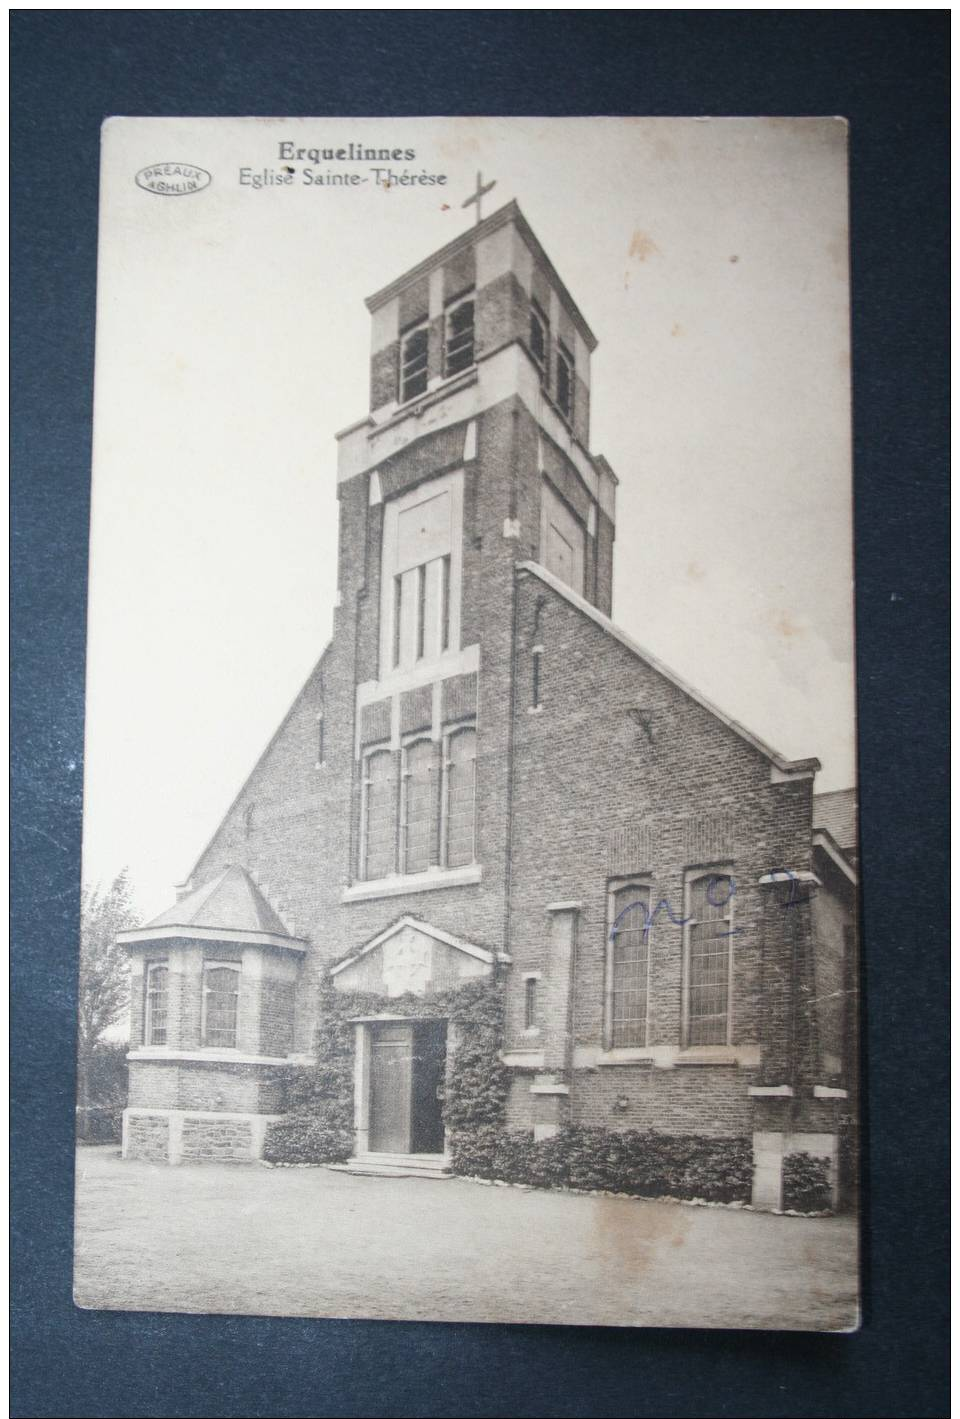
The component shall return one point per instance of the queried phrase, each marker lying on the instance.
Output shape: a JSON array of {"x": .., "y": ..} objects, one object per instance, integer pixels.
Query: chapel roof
[{"x": 232, "y": 902}]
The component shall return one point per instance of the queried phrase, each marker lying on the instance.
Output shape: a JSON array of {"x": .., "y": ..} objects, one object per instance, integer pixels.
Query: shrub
[
  {"x": 321, "y": 1137},
  {"x": 806, "y": 1183},
  {"x": 103, "y": 1090},
  {"x": 599, "y": 1159}
]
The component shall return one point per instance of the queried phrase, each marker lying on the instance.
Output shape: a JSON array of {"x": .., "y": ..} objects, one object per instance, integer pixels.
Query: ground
[{"x": 252, "y": 1240}]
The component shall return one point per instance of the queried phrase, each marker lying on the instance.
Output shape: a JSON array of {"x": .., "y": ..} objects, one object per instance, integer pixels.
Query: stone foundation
[{"x": 178, "y": 1136}]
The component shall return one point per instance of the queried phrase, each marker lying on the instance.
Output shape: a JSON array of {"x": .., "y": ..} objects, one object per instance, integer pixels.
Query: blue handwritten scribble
[{"x": 721, "y": 890}]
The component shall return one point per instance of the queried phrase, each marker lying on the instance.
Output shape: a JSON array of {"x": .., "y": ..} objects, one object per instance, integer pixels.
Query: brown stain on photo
[
  {"x": 633, "y": 1232},
  {"x": 786, "y": 627},
  {"x": 641, "y": 246}
]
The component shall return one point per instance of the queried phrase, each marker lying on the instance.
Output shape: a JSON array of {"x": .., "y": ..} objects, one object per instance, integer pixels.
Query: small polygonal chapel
[{"x": 484, "y": 778}]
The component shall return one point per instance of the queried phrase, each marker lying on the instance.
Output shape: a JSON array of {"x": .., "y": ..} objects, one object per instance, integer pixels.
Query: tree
[{"x": 104, "y": 975}]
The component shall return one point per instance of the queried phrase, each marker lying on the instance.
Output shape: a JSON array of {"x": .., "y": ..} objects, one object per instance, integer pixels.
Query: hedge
[
  {"x": 806, "y": 1183},
  {"x": 645, "y": 1164}
]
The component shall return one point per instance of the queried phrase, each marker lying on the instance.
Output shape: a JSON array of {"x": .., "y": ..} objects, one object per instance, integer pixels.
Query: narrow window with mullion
[
  {"x": 629, "y": 966},
  {"x": 155, "y": 1024},
  {"x": 461, "y": 805},
  {"x": 221, "y": 993},
  {"x": 420, "y": 801},
  {"x": 708, "y": 961},
  {"x": 413, "y": 364},
  {"x": 458, "y": 351},
  {"x": 378, "y": 828}
]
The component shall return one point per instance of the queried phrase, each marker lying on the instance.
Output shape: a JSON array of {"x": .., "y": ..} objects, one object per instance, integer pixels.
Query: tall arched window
[
  {"x": 460, "y": 807},
  {"x": 628, "y": 955},
  {"x": 708, "y": 959},
  {"x": 221, "y": 992},
  {"x": 155, "y": 1022},
  {"x": 378, "y": 854},
  {"x": 419, "y": 805}
]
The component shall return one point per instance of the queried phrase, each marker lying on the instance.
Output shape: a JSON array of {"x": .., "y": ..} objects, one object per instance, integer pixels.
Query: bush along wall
[{"x": 806, "y": 1183}]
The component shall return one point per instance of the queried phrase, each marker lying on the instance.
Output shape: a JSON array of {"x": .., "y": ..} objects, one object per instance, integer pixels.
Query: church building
[{"x": 484, "y": 776}]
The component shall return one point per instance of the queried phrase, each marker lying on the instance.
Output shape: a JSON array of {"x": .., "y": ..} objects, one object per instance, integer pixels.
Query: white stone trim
[
  {"x": 771, "y": 1091},
  {"x": 550, "y": 1089},
  {"x": 563, "y": 907},
  {"x": 430, "y": 881},
  {"x": 228, "y": 935},
  {"x": 667, "y": 1056},
  {"x": 823, "y": 1091},
  {"x": 159, "y": 1054},
  {"x": 791, "y": 769},
  {"x": 480, "y": 953},
  {"x": 523, "y": 1058}
]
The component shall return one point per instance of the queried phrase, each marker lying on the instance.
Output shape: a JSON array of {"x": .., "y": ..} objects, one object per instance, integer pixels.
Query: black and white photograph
[{"x": 470, "y": 852}]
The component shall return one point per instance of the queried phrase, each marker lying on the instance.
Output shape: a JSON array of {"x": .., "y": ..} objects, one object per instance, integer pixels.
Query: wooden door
[{"x": 391, "y": 1074}]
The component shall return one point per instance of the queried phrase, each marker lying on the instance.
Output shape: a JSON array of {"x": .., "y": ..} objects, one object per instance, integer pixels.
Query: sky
[{"x": 709, "y": 256}]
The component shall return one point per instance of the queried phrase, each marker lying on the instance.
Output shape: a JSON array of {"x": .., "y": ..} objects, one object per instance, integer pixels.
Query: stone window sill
[
  {"x": 670, "y": 1057},
  {"x": 431, "y": 881},
  {"x": 155, "y": 1054}
]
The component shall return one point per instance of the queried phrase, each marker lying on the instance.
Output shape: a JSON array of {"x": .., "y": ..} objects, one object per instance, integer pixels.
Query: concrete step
[{"x": 396, "y": 1165}]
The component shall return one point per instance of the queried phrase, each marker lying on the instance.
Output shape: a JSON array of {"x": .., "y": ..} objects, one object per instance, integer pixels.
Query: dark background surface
[{"x": 886, "y": 71}]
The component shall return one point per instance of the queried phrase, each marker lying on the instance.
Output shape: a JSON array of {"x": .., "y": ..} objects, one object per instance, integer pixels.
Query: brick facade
[{"x": 594, "y": 764}]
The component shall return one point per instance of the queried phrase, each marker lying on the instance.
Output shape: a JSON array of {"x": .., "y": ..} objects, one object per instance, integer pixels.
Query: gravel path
[{"x": 246, "y": 1239}]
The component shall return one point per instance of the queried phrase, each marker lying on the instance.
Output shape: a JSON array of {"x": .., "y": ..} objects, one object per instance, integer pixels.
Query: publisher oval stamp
[{"x": 173, "y": 179}]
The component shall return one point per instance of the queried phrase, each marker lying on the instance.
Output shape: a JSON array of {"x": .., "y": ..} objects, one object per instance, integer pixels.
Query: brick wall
[{"x": 211, "y": 1087}]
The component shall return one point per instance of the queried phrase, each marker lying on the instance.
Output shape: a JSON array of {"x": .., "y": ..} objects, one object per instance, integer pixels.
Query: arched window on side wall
[
  {"x": 155, "y": 1021},
  {"x": 708, "y": 959},
  {"x": 460, "y": 807},
  {"x": 221, "y": 994},
  {"x": 628, "y": 966}
]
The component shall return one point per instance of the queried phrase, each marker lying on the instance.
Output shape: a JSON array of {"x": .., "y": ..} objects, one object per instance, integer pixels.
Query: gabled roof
[
  {"x": 789, "y": 768},
  {"x": 480, "y": 953},
  {"x": 231, "y": 908},
  {"x": 836, "y": 814}
]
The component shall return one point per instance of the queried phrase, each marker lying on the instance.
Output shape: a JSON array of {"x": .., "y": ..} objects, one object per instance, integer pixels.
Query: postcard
[{"x": 470, "y": 831}]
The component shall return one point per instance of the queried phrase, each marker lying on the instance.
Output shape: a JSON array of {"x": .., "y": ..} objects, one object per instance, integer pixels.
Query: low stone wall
[
  {"x": 146, "y": 1136},
  {"x": 179, "y": 1136}
]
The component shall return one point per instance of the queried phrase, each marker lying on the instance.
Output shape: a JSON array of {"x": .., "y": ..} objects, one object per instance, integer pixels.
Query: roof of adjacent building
[
  {"x": 836, "y": 813},
  {"x": 230, "y": 902}
]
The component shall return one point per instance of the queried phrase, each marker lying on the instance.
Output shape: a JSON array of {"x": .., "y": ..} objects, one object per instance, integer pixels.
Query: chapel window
[
  {"x": 708, "y": 959},
  {"x": 155, "y": 1021},
  {"x": 628, "y": 966},
  {"x": 221, "y": 993}
]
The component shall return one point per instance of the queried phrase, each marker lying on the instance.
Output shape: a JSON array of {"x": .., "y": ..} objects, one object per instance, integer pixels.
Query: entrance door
[
  {"x": 407, "y": 1065},
  {"x": 429, "y": 1068},
  {"x": 391, "y": 1072}
]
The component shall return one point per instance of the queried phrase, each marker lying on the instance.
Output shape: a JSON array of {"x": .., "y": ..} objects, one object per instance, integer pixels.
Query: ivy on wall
[{"x": 318, "y": 1127}]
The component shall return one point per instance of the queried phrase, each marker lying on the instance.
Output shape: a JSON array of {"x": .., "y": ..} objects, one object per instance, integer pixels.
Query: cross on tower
[{"x": 479, "y": 194}]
